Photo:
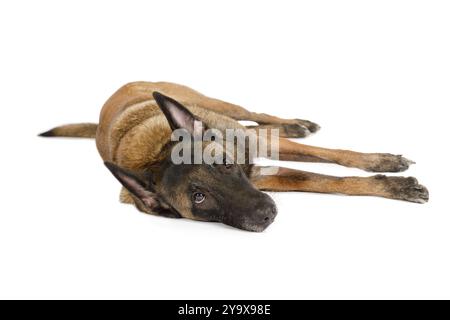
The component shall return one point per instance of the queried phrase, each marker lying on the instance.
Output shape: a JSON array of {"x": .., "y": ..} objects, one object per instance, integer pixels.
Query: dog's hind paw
[
  {"x": 294, "y": 131},
  {"x": 309, "y": 125},
  {"x": 294, "y": 128},
  {"x": 298, "y": 129}
]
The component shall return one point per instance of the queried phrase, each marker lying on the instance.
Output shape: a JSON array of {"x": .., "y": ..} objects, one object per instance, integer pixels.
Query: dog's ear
[
  {"x": 178, "y": 116},
  {"x": 137, "y": 183}
]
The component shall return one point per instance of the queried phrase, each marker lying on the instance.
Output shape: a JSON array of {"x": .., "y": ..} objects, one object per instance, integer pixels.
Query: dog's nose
[{"x": 268, "y": 214}]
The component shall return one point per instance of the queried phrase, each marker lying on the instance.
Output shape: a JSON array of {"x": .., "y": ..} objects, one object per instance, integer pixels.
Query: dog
[{"x": 133, "y": 138}]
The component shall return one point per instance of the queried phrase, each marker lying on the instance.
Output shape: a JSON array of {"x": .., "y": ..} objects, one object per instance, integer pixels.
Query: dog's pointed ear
[
  {"x": 137, "y": 183},
  {"x": 178, "y": 116}
]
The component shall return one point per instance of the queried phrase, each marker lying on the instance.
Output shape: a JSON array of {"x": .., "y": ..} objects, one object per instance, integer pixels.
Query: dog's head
[{"x": 219, "y": 192}]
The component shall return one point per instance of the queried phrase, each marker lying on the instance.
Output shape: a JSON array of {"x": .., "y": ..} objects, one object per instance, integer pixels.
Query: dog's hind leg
[
  {"x": 372, "y": 162},
  {"x": 400, "y": 188},
  {"x": 289, "y": 130},
  {"x": 295, "y": 128}
]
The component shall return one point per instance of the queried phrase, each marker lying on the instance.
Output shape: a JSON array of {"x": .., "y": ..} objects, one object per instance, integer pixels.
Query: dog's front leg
[
  {"x": 400, "y": 188},
  {"x": 372, "y": 162}
]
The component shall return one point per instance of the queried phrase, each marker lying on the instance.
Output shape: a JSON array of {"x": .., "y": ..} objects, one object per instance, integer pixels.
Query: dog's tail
[{"x": 76, "y": 130}]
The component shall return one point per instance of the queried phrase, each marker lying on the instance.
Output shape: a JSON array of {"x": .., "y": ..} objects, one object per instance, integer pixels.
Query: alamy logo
[{"x": 234, "y": 146}]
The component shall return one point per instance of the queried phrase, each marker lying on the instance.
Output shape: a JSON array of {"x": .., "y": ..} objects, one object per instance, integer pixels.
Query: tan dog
[{"x": 134, "y": 139}]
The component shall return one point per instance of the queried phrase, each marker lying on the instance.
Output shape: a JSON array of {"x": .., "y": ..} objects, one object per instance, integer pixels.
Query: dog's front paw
[
  {"x": 402, "y": 188},
  {"x": 385, "y": 162}
]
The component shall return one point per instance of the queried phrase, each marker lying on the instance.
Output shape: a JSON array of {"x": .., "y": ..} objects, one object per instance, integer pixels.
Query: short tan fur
[{"x": 133, "y": 131}]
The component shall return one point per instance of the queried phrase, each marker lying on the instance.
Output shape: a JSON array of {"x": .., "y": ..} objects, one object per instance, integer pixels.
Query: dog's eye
[{"x": 199, "y": 197}]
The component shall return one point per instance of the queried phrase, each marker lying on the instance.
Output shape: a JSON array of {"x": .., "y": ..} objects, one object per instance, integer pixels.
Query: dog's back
[{"x": 132, "y": 130}]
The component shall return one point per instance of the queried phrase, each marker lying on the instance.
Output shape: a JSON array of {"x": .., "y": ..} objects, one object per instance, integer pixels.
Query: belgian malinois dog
[{"x": 134, "y": 140}]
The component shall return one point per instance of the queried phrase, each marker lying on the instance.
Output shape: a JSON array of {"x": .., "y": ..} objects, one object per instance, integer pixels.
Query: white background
[{"x": 374, "y": 74}]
